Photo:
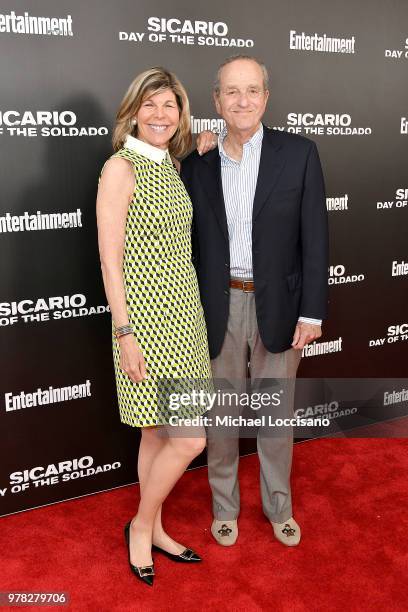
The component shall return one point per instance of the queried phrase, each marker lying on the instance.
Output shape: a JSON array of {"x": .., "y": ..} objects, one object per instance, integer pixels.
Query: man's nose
[{"x": 243, "y": 99}]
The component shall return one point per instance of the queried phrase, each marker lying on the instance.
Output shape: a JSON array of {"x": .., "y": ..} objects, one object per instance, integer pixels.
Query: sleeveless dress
[{"x": 162, "y": 294}]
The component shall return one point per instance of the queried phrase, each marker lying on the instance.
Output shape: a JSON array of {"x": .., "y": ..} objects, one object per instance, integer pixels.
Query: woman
[{"x": 144, "y": 231}]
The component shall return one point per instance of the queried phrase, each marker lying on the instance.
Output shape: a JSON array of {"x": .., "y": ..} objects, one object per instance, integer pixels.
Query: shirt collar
[
  {"x": 147, "y": 150},
  {"x": 255, "y": 142}
]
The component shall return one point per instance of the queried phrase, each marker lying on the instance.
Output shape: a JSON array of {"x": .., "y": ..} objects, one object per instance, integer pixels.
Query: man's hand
[
  {"x": 206, "y": 141},
  {"x": 305, "y": 333}
]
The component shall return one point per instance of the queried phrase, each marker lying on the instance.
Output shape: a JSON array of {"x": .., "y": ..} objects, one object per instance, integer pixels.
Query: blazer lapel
[
  {"x": 213, "y": 187},
  {"x": 270, "y": 167}
]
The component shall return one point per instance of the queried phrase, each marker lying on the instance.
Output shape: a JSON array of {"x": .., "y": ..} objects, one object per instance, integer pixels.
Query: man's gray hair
[{"x": 234, "y": 58}]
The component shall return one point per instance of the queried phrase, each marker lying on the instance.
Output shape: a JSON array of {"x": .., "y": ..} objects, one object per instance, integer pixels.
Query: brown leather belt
[{"x": 245, "y": 285}]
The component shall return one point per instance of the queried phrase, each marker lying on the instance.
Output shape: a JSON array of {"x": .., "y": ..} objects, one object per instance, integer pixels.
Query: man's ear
[
  {"x": 266, "y": 96},
  {"x": 217, "y": 102}
]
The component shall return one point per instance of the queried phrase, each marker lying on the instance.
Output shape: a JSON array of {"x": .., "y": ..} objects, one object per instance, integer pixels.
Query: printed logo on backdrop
[
  {"x": 401, "y": 200},
  {"x": 40, "y": 310},
  {"x": 29, "y": 222},
  {"x": 404, "y": 125},
  {"x": 401, "y": 53},
  {"x": 321, "y": 43},
  {"x": 338, "y": 276},
  {"x": 186, "y": 32},
  {"x": 45, "y": 123},
  {"x": 56, "y": 473},
  {"x": 45, "y": 397},
  {"x": 323, "y": 348},
  {"x": 199, "y": 124},
  {"x": 330, "y": 410},
  {"x": 337, "y": 203},
  {"x": 399, "y": 268},
  {"x": 395, "y": 333},
  {"x": 323, "y": 124},
  {"x": 396, "y": 396},
  {"x": 11, "y": 23}
]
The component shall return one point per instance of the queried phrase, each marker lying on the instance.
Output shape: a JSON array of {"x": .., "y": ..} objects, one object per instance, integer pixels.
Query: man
[{"x": 260, "y": 244}]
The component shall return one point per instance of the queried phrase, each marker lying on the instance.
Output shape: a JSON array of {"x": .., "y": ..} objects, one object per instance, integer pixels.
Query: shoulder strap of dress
[{"x": 124, "y": 154}]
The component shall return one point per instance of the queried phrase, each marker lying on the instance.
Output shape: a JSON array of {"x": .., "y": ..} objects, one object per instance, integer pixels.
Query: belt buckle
[{"x": 243, "y": 286}]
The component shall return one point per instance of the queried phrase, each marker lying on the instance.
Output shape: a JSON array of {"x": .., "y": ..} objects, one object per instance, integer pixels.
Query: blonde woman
[{"x": 144, "y": 219}]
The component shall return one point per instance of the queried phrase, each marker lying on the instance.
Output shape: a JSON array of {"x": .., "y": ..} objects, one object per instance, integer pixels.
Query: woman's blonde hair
[{"x": 145, "y": 85}]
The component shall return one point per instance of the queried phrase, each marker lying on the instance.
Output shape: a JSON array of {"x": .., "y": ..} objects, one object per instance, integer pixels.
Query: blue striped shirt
[{"x": 239, "y": 180}]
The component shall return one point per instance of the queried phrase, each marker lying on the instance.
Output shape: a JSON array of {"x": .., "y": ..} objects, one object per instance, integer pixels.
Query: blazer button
[
  {"x": 226, "y": 265},
  {"x": 226, "y": 291}
]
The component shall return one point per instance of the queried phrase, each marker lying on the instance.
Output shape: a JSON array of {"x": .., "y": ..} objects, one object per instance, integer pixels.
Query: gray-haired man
[{"x": 261, "y": 252}]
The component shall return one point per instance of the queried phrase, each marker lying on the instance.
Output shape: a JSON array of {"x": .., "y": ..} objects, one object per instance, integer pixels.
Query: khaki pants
[{"x": 242, "y": 344}]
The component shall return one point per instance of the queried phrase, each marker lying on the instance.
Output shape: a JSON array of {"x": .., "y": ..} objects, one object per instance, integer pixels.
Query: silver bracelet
[{"x": 123, "y": 330}]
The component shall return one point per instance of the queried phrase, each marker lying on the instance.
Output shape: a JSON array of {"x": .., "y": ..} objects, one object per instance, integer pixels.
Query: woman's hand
[
  {"x": 131, "y": 358},
  {"x": 206, "y": 141}
]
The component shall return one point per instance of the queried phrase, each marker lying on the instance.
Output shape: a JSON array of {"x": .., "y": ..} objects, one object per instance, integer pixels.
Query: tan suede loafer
[
  {"x": 288, "y": 532},
  {"x": 225, "y": 532}
]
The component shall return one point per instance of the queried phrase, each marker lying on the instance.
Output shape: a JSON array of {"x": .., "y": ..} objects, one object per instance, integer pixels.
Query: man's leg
[
  {"x": 274, "y": 446},
  {"x": 222, "y": 447}
]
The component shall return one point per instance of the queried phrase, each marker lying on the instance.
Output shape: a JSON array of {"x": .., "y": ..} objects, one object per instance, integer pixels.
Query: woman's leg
[
  {"x": 151, "y": 443},
  {"x": 167, "y": 465}
]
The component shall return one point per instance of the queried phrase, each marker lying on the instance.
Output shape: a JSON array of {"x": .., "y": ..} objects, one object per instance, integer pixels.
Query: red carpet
[{"x": 350, "y": 498}]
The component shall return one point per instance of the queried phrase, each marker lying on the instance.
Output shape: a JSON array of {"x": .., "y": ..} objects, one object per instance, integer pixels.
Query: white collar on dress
[{"x": 140, "y": 146}]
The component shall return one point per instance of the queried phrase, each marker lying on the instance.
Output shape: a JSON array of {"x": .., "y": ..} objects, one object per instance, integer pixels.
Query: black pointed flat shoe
[
  {"x": 146, "y": 572},
  {"x": 187, "y": 556}
]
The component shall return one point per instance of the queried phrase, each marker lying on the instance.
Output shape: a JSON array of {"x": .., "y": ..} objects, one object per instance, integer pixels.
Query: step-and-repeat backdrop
[{"x": 338, "y": 75}]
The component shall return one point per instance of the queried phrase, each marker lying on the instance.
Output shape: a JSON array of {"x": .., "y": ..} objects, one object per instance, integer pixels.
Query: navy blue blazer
[{"x": 289, "y": 239}]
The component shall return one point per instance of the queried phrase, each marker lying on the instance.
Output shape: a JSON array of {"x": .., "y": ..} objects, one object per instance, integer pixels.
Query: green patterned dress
[{"x": 162, "y": 293}]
